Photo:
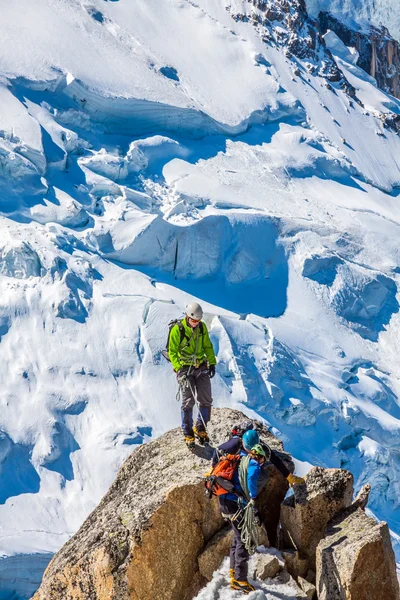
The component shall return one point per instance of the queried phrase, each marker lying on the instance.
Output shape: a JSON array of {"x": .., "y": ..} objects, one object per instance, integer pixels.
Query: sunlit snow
[{"x": 140, "y": 169}]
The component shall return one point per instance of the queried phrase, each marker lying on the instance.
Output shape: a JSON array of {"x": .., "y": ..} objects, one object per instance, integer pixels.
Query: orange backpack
[{"x": 220, "y": 480}]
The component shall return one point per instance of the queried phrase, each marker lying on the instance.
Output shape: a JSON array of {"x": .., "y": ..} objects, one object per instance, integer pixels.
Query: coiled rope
[{"x": 248, "y": 526}]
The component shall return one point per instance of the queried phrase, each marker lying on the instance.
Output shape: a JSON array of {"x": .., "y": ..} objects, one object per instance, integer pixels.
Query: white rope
[{"x": 248, "y": 526}]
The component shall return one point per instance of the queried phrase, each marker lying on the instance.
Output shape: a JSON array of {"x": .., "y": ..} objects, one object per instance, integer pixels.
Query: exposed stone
[
  {"x": 391, "y": 121},
  {"x": 311, "y": 577},
  {"x": 355, "y": 560},
  {"x": 305, "y": 515},
  {"x": 214, "y": 553},
  {"x": 297, "y": 565},
  {"x": 378, "y": 51},
  {"x": 147, "y": 535},
  {"x": 297, "y": 33},
  {"x": 308, "y": 588},
  {"x": 263, "y": 540},
  {"x": 265, "y": 566},
  {"x": 284, "y": 578},
  {"x": 361, "y": 500}
]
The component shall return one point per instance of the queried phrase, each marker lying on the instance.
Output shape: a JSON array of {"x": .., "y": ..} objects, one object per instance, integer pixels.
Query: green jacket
[{"x": 194, "y": 349}]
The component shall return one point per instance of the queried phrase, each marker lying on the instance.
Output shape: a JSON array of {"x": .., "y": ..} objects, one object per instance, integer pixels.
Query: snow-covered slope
[{"x": 155, "y": 152}]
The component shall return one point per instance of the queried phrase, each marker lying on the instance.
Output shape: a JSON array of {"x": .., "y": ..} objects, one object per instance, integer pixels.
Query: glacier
[{"x": 151, "y": 155}]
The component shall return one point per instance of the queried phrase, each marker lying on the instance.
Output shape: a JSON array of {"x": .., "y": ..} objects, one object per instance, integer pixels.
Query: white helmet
[{"x": 194, "y": 311}]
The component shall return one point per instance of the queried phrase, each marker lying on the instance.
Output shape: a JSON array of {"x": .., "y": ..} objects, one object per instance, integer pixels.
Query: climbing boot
[
  {"x": 231, "y": 575},
  {"x": 189, "y": 441},
  {"x": 202, "y": 436},
  {"x": 243, "y": 586}
]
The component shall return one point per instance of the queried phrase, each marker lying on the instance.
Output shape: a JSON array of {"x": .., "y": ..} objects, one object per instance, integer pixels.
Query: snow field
[{"x": 126, "y": 192}]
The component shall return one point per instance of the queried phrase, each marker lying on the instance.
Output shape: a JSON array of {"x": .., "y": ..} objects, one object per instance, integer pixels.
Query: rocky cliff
[
  {"x": 378, "y": 51},
  {"x": 287, "y": 24},
  {"x": 334, "y": 543},
  {"x": 154, "y": 534}
]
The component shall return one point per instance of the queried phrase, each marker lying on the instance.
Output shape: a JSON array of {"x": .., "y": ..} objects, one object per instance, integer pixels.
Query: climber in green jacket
[{"x": 192, "y": 356}]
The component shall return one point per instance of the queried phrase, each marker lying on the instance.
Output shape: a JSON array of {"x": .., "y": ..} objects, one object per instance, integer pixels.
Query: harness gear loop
[{"x": 196, "y": 333}]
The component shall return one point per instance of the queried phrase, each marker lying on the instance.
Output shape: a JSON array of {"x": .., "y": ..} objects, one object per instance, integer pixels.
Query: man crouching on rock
[{"x": 233, "y": 507}]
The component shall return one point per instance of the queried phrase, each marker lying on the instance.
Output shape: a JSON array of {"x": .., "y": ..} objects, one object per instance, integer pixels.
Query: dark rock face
[
  {"x": 355, "y": 559},
  {"x": 296, "y": 31},
  {"x": 155, "y": 533},
  {"x": 305, "y": 515},
  {"x": 379, "y": 53}
]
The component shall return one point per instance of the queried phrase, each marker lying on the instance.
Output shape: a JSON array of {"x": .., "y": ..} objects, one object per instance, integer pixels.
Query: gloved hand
[
  {"x": 294, "y": 480},
  {"x": 211, "y": 371},
  {"x": 252, "y": 504}
]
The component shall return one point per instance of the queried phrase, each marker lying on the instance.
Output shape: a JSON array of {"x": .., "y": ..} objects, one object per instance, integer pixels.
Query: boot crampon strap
[
  {"x": 189, "y": 441},
  {"x": 243, "y": 586},
  {"x": 202, "y": 436}
]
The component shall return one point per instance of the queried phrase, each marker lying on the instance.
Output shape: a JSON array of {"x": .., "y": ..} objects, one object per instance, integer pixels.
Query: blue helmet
[{"x": 250, "y": 438}]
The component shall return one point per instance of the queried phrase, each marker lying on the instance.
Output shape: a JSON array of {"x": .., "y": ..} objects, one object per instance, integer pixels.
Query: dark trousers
[
  {"x": 239, "y": 557},
  {"x": 199, "y": 381}
]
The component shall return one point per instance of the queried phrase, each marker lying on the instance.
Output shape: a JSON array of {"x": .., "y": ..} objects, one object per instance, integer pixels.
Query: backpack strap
[
  {"x": 181, "y": 331},
  {"x": 183, "y": 335}
]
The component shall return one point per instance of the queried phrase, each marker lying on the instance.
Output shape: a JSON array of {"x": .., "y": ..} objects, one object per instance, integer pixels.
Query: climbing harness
[{"x": 183, "y": 380}]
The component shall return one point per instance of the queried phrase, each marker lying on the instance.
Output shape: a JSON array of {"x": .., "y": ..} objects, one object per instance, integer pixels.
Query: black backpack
[{"x": 182, "y": 331}]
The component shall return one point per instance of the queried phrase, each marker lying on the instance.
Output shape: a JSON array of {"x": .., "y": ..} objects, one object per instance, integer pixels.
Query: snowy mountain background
[{"x": 155, "y": 152}]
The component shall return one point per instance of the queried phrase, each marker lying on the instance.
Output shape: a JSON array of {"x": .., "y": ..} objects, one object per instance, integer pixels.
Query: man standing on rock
[{"x": 193, "y": 359}]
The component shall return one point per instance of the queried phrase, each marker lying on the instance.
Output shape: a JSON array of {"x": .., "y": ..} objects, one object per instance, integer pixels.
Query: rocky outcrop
[
  {"x": 305, "y": 515},
  {"x": 214, "y": 553},
  {"x": 361, "y": 500},
  {"x": 296, "y": 564},
  {"x": 355, "y": 560},
  {"x": 152, "y": 535},
  {"x": 265, "y": 566},
  {"x": 352, "y": 553},
  {"x": 308, "y": 588},
  {"x": 296, "y": 31},
  {"x": 378, "y": 52}
]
